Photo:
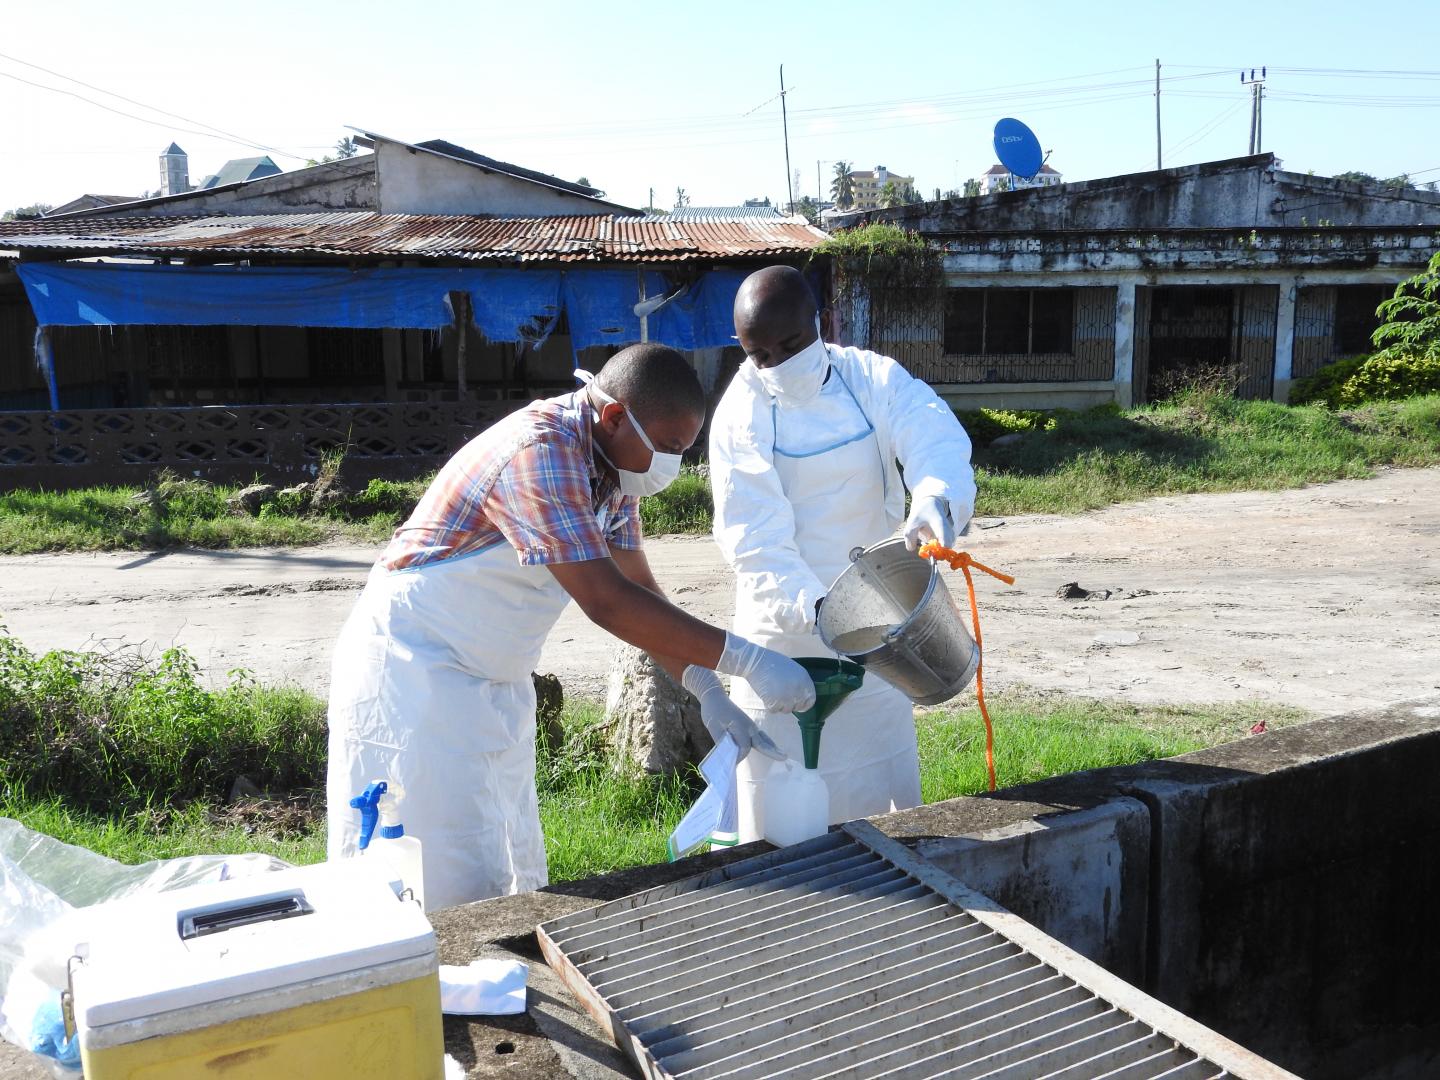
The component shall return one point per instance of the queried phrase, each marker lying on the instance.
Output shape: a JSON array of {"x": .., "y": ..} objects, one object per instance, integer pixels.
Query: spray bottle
[{"x": 399, "y": 851}]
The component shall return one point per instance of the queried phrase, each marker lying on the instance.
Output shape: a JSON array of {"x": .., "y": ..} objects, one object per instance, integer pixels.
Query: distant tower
[{"x": 174, "y": 171}]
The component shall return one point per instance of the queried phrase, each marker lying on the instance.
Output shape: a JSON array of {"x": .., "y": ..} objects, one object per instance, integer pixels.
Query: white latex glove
[
  {"x": 929, "y": 520},
  {"x": 781, "y": 684},
  {"x": 722, "y": 717}
]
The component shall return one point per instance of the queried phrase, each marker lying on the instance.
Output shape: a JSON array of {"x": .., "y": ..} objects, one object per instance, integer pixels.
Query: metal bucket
[{"x": 890, "y": 612}]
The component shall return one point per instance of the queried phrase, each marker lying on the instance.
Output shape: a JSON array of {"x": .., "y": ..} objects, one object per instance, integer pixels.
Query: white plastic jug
[{"x": 797, "y": 804}]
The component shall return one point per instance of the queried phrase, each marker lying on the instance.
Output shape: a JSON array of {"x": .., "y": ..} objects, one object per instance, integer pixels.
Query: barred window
[{"x": 1010, "y": 322}]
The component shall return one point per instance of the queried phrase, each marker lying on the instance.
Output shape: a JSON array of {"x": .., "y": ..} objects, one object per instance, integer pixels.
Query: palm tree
[
  {"x": 842, "y": 188},
  {"x": 890, "y": 195}
]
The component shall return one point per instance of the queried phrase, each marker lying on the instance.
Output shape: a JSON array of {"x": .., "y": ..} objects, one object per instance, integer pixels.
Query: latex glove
[
  {"x": 929, "y": 520},
  {"x": 722, "y": 717},
  {"x": 781, "y": 684}
]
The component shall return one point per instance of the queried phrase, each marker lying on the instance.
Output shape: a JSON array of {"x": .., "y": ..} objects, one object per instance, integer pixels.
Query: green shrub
[
  {"x": 120, "y": 733},
  {"x": 1384, "y": 376},
  {"x": 1391, "y": 376},
  {"x": 984, "y": 426},
  {"x": 1323, "y": 387}
]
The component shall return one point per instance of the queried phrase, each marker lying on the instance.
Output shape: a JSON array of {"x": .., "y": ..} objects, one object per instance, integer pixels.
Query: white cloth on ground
[{"x": 483, "y": 988}]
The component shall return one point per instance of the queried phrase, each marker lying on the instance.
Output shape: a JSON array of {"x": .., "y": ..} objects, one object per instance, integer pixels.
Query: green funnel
[{"x": 835, "y": 680}]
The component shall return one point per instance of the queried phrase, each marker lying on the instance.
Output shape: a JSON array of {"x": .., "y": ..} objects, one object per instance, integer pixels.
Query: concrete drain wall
[{"x": 1280, "y": 889}]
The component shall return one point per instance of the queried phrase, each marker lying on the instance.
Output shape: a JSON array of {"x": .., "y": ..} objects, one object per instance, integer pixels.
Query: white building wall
[
  {"x": 1079, "y": 395},
  {"x": 417, "y": 182}
]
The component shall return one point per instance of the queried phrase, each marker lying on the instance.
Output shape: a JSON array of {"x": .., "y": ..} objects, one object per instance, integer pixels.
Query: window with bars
[{"x": 1009, "y": 322}]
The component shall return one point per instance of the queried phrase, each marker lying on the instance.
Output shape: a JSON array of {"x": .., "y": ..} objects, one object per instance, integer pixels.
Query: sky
[{"x": 638, "y": 97}]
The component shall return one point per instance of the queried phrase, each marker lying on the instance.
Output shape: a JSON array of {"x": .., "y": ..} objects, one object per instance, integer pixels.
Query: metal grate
[{"x": 848, "y": 955}]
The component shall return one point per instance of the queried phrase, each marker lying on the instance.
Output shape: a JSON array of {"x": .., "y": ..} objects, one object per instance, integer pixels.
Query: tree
[
  {"x": 1003, "y": 184},
  {"x": 972, "y": 188},
  {"x": 910, "y": 197},
  {"x": 842, "y": 187},
  {"x": 681, "y": 199},
  {"x": 809, "y": 208},
  {"x": 1357, "y": 176},
  {"x": 344, "y": 148},
  {"x": 890, "y": 195},
  {"x": 27, "y": 213},
  {"x": 1412, "y": 317},
  {"x": 584, "y": 181}
]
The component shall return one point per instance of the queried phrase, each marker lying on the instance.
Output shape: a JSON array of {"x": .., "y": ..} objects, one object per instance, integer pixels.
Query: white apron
[
  {"x": 431, "y": 689},
  {"x": 830, "y": 466}
]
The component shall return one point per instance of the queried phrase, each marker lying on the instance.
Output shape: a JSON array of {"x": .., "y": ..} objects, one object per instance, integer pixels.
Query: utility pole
[
  {"x": 1158, "y": 163},
  {"x": 785, "y": 122},
  {"x": 819, "y": 191},
  {"x": 1257, "y": 97}
]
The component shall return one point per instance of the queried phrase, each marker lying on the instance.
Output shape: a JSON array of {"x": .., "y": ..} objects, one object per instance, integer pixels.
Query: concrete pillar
[
  {"x": 1285, "y": 340},
  {"x": 1124, "y": 342}
]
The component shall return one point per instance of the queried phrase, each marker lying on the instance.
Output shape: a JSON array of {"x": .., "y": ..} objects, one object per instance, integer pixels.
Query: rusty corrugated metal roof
[{"x": 599, "y": 238}]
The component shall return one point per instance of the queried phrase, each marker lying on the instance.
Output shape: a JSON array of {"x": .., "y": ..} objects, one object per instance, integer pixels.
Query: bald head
[{"x": 774, "y": 315}]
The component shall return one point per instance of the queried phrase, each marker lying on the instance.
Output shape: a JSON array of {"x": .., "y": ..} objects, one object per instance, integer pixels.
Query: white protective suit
[
  {"x": 796, "y": 488},
  {"x": 431, "y": 689}
]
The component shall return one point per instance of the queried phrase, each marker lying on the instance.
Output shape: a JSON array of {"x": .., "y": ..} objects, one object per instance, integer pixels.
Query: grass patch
[
  {"x": 172, "y": 513},
  {"x": 199, "y": 828},
  {"x": 1064, "y": 462},
  {"x": 1041, "y": 735},
  {"x": 135, "y": 761},
  {"x": 683, "y": 507},
  {"x": 1200, "y": 442}
]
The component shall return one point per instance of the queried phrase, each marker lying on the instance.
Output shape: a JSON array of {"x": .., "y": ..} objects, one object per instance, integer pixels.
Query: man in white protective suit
[
  {"x": 431, "y": 685},
  {"x": 803, "y": 452}
]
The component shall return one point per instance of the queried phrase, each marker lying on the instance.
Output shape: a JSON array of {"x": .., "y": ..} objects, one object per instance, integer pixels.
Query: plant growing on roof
[{"x": 891, "y": 275}]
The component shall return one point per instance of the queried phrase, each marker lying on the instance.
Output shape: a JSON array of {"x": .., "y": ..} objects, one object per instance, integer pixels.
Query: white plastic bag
[{"x": 45, "y": 887}]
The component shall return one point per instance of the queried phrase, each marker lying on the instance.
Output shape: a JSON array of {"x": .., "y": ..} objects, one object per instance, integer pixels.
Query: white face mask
[
  {"x": 798, "y": 379},
  {"x": 664, "y": 468}
]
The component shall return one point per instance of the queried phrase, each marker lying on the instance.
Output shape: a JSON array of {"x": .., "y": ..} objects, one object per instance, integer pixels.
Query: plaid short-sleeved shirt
[{"x": 530, "y": 481}]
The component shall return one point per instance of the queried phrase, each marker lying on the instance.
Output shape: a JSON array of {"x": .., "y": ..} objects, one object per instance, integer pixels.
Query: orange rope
[{"x": 961, "y": 560}]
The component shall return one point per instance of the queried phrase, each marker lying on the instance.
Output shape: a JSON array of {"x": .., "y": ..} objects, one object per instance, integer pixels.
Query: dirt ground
[{"x": 1324, "y": 598}]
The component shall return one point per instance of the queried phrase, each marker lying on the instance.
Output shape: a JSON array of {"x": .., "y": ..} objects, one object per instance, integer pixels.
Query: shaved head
[
  {"x": 774, "y": 296},
  {"x": 774, "y": 315}
]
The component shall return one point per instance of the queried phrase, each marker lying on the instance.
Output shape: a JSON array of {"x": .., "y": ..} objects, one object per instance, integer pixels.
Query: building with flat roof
[
  {"x": 869, "y": 183},
  {"x": 1127, "y": 287}
]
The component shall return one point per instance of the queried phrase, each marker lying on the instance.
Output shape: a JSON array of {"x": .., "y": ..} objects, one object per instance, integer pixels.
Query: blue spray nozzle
[{"x": 368, "y": 803}]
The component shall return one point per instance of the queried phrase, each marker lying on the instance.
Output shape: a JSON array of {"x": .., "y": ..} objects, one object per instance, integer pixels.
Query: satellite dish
[{"x": 1017, "y": 148}]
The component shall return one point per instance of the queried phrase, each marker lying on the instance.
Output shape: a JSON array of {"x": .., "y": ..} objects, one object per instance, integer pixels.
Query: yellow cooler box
[{"x": 320, "y": 971}]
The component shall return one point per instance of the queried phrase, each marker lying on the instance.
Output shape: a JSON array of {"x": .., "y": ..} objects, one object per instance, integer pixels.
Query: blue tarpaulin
[
  {"x": 508, "y": 305},
  {"x": 600, "y": 305},
  {"x": 396, "y": 298}
]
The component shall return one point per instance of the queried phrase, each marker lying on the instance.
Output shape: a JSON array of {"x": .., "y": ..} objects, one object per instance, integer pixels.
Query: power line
[
  {"x": 1204, "y": 131},
  {"x": 212, "y": 133}
]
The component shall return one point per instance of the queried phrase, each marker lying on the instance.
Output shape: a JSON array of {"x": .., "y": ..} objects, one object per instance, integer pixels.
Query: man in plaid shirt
[{"x": 431, "y": 688}]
